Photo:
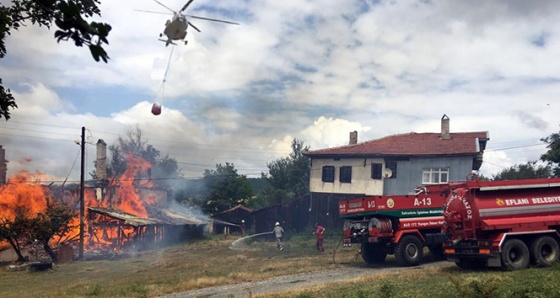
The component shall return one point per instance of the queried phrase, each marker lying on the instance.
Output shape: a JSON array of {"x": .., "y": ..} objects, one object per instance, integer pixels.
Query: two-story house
[{"x": 395, "y": 164}]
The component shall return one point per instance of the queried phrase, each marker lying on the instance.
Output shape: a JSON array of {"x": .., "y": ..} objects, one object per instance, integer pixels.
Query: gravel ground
[{"x": 290, "y": 282}]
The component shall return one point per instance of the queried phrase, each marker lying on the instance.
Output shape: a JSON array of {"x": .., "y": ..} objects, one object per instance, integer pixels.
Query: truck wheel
[
  {"x": 437, "y": 251},
  {"x": 373, "y": 253},
  {"x": 544, "y": 251},
  {"x": 515, "y": 255},
  {"x": 409, "y": 251}
]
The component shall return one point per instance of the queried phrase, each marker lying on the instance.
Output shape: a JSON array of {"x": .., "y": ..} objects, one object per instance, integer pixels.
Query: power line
[
  {"x": 188, "y": 145},
  {"x": 39, "y": 131},
  {"x": 516, "y": 147},
  {"x": 40, "y": 124},
  {"x": 33, "y": 137}
]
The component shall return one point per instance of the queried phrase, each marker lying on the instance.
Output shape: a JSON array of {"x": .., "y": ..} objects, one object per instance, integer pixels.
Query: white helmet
[{"x": 277, "y": 223}]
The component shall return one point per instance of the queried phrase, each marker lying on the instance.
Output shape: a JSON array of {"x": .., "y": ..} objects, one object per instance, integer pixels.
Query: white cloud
[
  {"x": 331, "y": 132},
  {"x": 312, "y": 70}
]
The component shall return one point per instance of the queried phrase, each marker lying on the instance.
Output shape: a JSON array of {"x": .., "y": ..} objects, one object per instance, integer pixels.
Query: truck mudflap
[
  {"x": 468, "y": 248},
  {"x": 436, "y": 238}
]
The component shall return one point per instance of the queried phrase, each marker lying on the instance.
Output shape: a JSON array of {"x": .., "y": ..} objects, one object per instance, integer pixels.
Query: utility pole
[{"x": 82, "y": 207}]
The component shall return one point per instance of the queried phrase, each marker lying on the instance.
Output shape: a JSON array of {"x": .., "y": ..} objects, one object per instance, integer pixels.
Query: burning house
[
  {"x": 131, "y": 213},
  {"x": 128, "y": 212},
  {"x": 119, "y": 230}
]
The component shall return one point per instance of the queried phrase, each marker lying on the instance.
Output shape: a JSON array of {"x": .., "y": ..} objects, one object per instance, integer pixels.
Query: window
[
  {"x": 376, "y": 171},
  {"x": 328, "y": 174},
  {"x": 392, "y": 165},
  {"x": 345, "y": 174},
  {"x": 435, "y": 176}
]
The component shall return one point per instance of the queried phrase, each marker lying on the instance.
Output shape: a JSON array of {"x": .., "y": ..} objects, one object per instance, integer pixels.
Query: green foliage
[
  {"x": 363, "y": 293},
  {"x": 225, "y": 189},
  {"x": 70, "y": 18},
  {"x": 387, "y": 289},
  {"x": 137, "y": 288},
  {"x": 93, "y": 290},
  {"x": 477, "y": 287},
  {"x": 483, "y": 178},
  {"x": 7, "y": 101},
  {"x": 287, "y": 177},
  {"x": 530, "y": 170},
  {"x": 304, "y": 295},
  {"x": 542, "y": 284},
  {"x": 552, "y": 156}
]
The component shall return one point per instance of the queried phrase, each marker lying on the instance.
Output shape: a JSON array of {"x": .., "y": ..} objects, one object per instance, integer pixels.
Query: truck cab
[{"x": 396, "y": 224}]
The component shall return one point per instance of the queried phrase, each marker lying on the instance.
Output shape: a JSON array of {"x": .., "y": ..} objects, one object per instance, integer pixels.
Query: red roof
[{"x": 411, "y": 144}]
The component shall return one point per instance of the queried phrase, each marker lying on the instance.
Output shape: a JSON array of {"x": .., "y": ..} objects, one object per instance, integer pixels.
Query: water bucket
[{"x": 156, "y": 108}]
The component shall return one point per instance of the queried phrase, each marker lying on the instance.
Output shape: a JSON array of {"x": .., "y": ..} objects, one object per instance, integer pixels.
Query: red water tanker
[
  {"x": 396, "y": 224},
  {"x": 509, "y": 224}
]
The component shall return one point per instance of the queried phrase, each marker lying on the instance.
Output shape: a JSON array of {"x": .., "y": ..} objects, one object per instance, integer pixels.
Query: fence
[{"x": 300, "y": 214}]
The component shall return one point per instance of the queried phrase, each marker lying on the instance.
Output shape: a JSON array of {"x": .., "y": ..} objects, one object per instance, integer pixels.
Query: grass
[
  {"x": 444, "y": 282},
  {"x": 210, "y": 262},
  {"x": 177, "y": 268}
]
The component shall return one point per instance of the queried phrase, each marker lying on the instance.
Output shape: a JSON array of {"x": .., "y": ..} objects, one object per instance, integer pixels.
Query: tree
[
  {"x": 164, "y": 168},
  {"x": 69, "y": 16},
  {"x": 552, "y": 156},
  {"x": 55, "y": 221},
  {"x": 225, "y": 189},
  {"x": 288, "y": 177},
  {"x": 27, "y": 227},
  {"x": 530, "y": 170},
  {"x": 17, "y": 231}
]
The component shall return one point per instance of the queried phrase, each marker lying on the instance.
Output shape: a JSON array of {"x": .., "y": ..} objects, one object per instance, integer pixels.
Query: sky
[{"x": 313, "y": 70}]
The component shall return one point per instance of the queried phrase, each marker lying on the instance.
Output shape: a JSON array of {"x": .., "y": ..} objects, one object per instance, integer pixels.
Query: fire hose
[{"x": 338, "y": 246}]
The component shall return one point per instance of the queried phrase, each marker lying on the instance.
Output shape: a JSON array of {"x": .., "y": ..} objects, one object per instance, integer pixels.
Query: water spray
[{"x": 239, "y": 244}]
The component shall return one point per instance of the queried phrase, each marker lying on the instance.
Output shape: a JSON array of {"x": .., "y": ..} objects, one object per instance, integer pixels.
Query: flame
[
  {"x": 22, "y": 191},
  {"x": 124, "y": 196},
  {"x": 128, "y": 198}
]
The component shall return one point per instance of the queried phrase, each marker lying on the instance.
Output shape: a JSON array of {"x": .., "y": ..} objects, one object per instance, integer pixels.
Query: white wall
[{"x": 361, "y": 177}]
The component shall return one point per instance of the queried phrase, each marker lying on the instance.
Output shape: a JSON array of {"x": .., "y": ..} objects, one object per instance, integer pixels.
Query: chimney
[
  {"x": 101, "y": 164},
  {"x": 353, "y": 137},
  {"x": 3, "y": 166},
  {"x": 445, "y": 135}
]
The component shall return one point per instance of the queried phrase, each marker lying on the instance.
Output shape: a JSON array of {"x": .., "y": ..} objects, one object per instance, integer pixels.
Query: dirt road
[{"x": 290, "y": 282}]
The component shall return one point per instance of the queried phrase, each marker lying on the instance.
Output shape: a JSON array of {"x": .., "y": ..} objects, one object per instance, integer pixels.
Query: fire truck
[
  {"x": 509, "y": 224},
  {"x": 396, "y": 224}
]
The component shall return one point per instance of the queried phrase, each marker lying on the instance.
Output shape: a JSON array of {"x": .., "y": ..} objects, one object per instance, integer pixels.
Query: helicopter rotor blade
[
  {"x": 186, "y": 5},
  {"x": 213, "y": 20},
  {"x": 149, "y": 11},
  {"x": 164, "y": 6},
  {"x": 190, "y": 24}
]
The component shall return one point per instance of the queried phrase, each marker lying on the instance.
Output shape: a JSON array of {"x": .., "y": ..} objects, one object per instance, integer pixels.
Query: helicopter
[{"x": 176, "y": 27}]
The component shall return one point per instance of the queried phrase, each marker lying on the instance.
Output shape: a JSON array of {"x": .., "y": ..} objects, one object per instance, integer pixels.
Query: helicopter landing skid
[{"x": 167, "y": 42}]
